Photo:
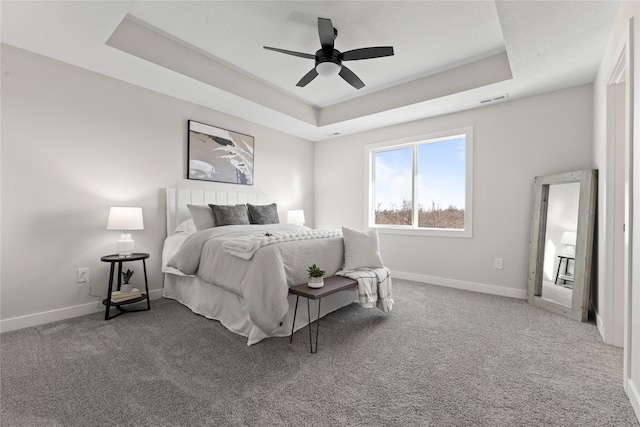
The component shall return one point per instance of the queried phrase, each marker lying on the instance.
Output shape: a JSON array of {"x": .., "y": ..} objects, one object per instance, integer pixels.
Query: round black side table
[{"x": 118, "y": 259}]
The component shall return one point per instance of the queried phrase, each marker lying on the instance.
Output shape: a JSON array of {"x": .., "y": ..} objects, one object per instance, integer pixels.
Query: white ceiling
[{"x": 448, "y": 54}]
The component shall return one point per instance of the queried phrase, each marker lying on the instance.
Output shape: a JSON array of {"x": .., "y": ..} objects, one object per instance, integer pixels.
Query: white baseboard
[
  {"x": 634, "y": 397},
  {"x": 460, "y": 284},
  {"x": 599, "y": 324},
  {"x": 36, "y": 319},
  {"x": 608, "y": 339}
]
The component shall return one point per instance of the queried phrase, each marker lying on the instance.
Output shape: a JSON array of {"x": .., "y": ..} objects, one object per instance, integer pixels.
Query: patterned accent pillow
[
  {"x": 202, "y": 216},
  {"x": 230, "y": 215},
  {"x": 361, "y": 249},
  {"x": 263, "y": 214}
]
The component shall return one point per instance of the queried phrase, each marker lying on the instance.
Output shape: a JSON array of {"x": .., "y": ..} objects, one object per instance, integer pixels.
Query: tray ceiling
[{"x": 449, "y": 55}]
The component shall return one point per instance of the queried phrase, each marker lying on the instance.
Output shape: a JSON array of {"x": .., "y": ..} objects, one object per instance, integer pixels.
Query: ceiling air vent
[{"x": 494, "y": 98}]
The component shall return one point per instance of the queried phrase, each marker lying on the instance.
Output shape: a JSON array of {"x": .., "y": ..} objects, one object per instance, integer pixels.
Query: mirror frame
[{"x": 579, "y": 309}]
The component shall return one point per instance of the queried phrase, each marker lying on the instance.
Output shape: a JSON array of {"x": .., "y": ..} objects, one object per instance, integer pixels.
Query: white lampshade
[
  {"x": 295, "y": 217},
  {"x": 569, "y": 239},
  {"x": 328, "y": 69},
  {"x": 125, "y": 218}
]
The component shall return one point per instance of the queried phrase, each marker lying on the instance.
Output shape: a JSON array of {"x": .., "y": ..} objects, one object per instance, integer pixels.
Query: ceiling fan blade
[
  {"x": 350, "y": 77},
  {"x": 307, "y": 78},
  {"x": 367, "y": 53},
  {"x": 291, "y": 52},
  {"x": 327, "y": 36}
]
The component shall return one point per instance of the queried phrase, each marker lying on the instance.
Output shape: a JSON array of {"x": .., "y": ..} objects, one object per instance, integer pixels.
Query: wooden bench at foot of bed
[{"x": 332, "y": 285}]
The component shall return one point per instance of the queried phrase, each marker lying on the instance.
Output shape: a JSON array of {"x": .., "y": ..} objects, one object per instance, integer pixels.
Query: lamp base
[
  {"x": 124, "y": 246},
  {"x": 570, "y": 251}
]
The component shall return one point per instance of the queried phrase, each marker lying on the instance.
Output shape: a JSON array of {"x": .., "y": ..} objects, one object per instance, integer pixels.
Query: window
[{"x": 421, "y": 185}]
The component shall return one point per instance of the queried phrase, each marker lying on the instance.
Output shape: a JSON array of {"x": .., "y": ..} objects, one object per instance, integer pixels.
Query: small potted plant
[
  {"x": 315, "y": 277},
  {"x": 126, "y": 275}
]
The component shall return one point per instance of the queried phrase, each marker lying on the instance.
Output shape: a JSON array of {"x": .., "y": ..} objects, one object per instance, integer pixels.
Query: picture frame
[{"x": 219, "y": 155}]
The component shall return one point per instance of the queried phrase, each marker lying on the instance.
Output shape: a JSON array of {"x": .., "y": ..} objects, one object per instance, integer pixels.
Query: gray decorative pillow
[
  {"x": 263, "y": 214},
  {"x": 361, "y": 249},
  {"x": 230, "y": 215},
  {"x": 202, "y": 217}
]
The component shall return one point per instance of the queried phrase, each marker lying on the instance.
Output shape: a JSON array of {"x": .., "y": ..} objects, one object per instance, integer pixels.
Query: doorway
[{"x": 616, "y": 297}]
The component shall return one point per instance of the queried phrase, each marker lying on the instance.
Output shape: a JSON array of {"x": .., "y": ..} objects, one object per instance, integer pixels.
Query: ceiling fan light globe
[{"x": 328, "y": 69}]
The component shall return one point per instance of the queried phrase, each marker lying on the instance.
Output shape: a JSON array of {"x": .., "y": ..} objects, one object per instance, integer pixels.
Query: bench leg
[
  {"x": 317, "y": 326},
  {"x": 294, "y": 319}
]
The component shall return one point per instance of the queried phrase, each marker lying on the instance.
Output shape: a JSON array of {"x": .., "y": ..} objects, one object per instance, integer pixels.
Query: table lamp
[
  {"x": 295, "y": 217},
  {"x": 125, "y": 219}
]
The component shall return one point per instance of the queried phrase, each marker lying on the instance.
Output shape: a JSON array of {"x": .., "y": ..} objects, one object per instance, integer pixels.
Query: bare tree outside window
[{"x": 433, "y": 217}]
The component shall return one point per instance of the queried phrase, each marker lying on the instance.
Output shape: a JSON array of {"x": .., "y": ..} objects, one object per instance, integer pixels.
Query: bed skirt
[{"x": 229, "y": 309}]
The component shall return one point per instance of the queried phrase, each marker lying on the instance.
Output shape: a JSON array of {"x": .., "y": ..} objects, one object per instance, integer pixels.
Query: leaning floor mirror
[{"x": 561, "y": 247}]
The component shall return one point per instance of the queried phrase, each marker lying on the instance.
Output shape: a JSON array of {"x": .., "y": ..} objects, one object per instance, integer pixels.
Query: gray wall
[
  {"x": 513, "y": 143},
  {"x": 74, "y": 143}
]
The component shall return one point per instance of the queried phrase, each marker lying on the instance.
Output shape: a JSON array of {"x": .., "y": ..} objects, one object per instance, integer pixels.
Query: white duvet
[
  {"x": 245, "y": 246},
  {"x": 264, "y": 280}
]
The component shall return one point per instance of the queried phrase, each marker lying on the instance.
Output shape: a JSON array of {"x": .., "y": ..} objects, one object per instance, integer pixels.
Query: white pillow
[
  {"x": 361, "y": 249},
  {"x": 202, "y": 216},
  {"x": 187, "y": 227}
]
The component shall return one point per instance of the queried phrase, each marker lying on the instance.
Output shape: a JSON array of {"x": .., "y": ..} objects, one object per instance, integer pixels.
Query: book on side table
[{"x": 121, "y": 296}]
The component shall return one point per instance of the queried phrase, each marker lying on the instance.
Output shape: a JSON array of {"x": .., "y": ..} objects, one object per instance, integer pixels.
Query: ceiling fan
[{"x": 329, "y": 60}]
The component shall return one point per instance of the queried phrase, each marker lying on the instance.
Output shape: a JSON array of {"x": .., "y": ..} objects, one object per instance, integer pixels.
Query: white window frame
[{"x": 371, "y": 149}]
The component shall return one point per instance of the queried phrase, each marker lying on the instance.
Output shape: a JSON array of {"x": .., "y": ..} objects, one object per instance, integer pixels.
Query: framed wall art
[{"x": 219, "y": 155}]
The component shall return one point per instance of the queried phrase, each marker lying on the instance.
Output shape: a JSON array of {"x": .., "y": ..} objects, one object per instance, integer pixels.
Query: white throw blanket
[
  {"x": 245, "y": 246},
  {"x": 374, "y": 286}
]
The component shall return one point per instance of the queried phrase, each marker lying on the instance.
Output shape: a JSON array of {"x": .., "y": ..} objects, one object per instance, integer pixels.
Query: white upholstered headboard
[{"x": 179, "y": 198}]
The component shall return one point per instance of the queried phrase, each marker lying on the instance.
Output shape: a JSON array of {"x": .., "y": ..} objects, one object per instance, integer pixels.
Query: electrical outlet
[
  {"x": 83, "y": 275},
  {"x": 497, "y": 264}
]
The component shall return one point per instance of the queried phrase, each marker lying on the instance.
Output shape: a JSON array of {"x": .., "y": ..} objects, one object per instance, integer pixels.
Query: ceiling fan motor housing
[
  {"x": 328, "y": 65},
  {"x": 335, "y": 57}
]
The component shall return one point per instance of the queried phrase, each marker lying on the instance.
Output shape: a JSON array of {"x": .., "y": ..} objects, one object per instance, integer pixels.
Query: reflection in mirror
[
  {"x": 560, "y": 243},
  {"x": 562, "y": 229}
]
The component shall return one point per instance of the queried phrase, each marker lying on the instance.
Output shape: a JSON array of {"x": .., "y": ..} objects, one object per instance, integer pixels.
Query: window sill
[{"x": 430, "y": 232}]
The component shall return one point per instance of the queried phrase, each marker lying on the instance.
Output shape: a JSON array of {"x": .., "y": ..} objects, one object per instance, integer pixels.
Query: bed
[{"x": 247, "y": 293}]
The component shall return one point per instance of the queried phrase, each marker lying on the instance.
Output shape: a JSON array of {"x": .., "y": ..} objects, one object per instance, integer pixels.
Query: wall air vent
[{"x": 494, "y": 98}]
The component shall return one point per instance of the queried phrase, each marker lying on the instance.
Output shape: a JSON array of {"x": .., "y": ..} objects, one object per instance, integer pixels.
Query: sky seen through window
[{"x": 440, "y": 179}]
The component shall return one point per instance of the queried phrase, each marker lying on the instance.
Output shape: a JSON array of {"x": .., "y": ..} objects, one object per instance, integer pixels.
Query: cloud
[{"x": 391, "y": 186}]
